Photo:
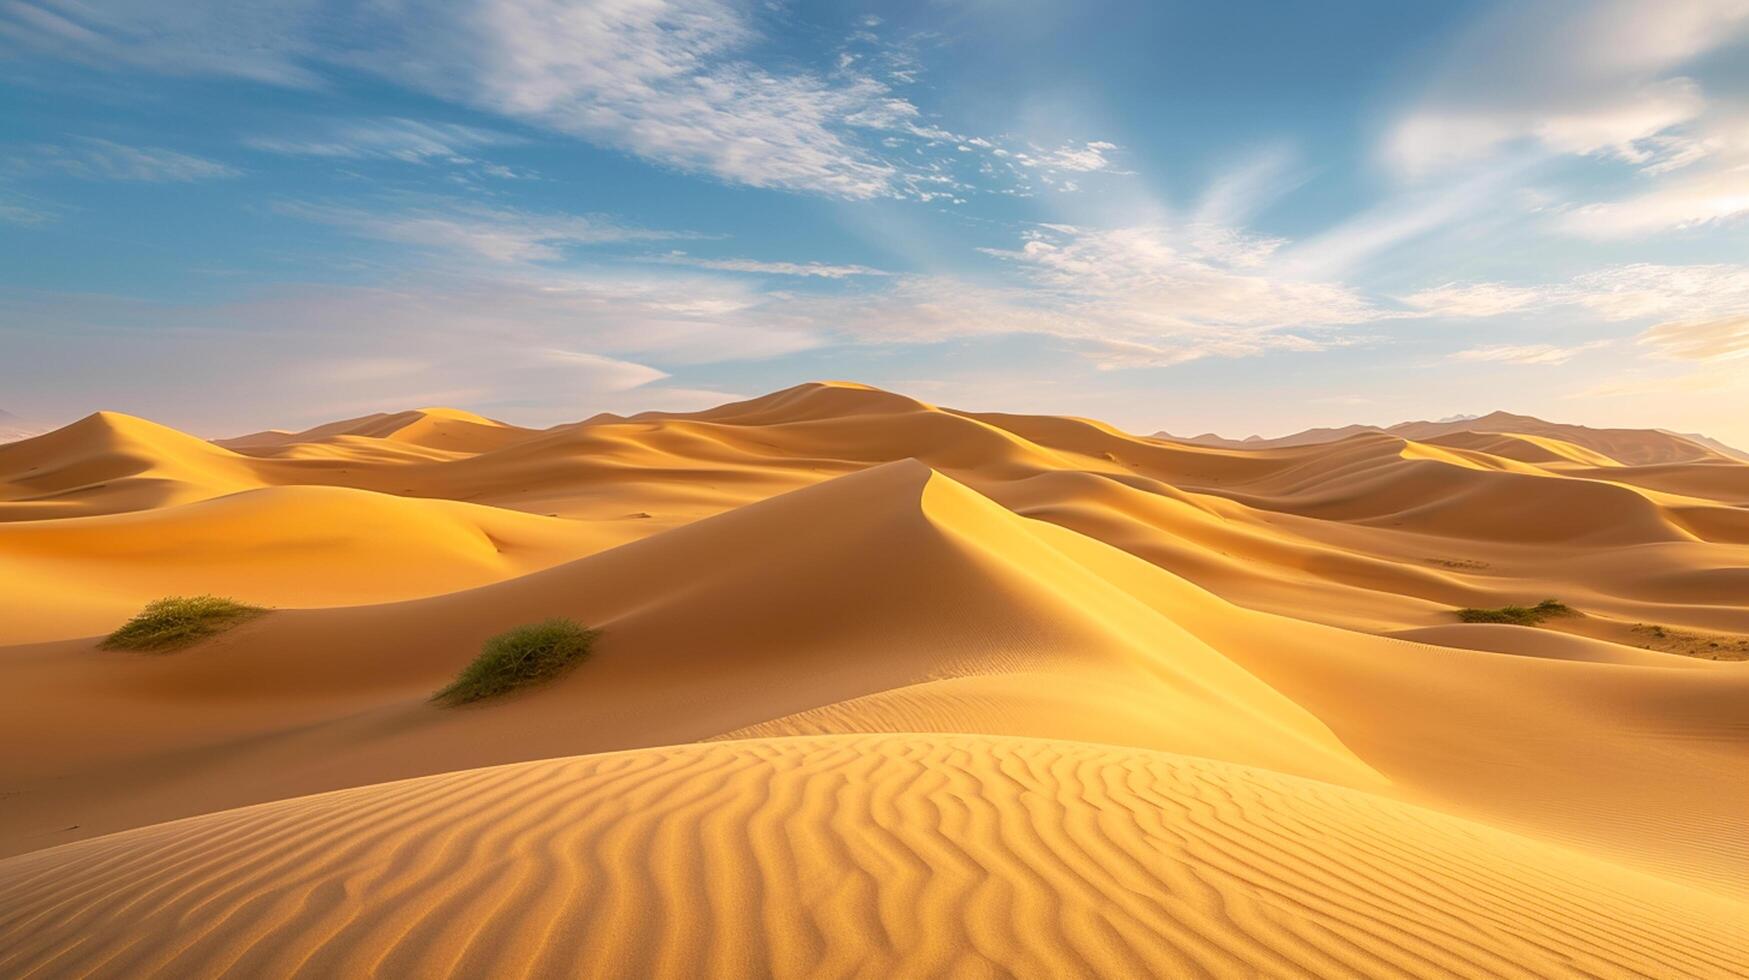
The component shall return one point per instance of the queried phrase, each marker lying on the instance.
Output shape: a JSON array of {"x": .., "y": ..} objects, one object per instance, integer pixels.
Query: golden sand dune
[
  {"x": 1629, "y": 447},
  {"x": 956, "y": 615},
  {"x": 446, "y": 430},
  {"x": 1375, "y": 510},
  {"x": 849, "y": 855},
  {"x": 110, "y": 462},
  {"x": 729, "y": 622},
  {"x": 275, "y": 546},
  {"x": 1247, "y": 662}
]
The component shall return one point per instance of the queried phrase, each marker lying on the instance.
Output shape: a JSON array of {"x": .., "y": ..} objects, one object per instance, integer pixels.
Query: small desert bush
[
  {"x": 177, "y": 621},
  {"x": 1517, "y": 615},
  {"x": 519, "y": 657}
]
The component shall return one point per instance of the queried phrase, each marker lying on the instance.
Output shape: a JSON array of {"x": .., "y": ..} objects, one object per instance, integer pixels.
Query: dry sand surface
[{"x": 882, "y": 688}]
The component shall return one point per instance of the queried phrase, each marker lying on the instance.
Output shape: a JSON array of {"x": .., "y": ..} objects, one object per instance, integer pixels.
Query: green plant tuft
[
  {"x": 516, "y": 658},
  {"x": 1517, "y": 615},
  {"x": 177, "y": 621}
]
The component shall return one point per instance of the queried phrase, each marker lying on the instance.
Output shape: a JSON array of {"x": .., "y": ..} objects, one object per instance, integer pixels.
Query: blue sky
[{"x": 1238, "y": 217}]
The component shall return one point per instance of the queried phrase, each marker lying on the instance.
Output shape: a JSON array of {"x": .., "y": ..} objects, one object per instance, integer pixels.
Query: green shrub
[
  {"x": 519, "y": 657},
  {"x": 177, "y": 621},
  {"x": 1517, "y": 615}
]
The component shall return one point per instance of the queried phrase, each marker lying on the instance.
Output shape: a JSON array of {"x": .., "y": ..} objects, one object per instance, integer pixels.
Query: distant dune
[
  {"x": 1625, "y": 446},
  {"x": 880, "y": 685},
  {"x": 13, "y": 428}
]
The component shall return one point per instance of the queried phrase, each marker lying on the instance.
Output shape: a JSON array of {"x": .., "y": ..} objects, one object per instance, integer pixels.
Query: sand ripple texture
[{"x": 849, "y": 855}]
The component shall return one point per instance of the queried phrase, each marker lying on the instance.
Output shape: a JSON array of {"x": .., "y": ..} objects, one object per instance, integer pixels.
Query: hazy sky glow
[{"x": 227, "y": 214}]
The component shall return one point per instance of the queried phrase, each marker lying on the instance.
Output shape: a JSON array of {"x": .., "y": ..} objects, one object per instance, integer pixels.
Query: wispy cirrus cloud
[
  {"x": 815, "y": 270},
  {"x": 24, "y": 212},
  {"x": 1616, "y": 293},
  {"x": 390, "y": 138},
  {"x": 1531, "y": 354},
  {"x": 1598, "y": 79},
  {"x": 1609, "y": 80},
  {"x": 1478, "y": 300},
  {"x": 670, "y": 81},
  {"x": 1120, "y": 297},
  {"x": 1701, "y": 340},
  {"x": 261, "y": 42},
  {"x": 90, "y": 158},
  {"x": 1192, "y": 278},
  {"x": 1700, "y": 312},
  {"x": 500, "y": 234},
  {"x": 1714, "y": 197},
  {"x": 605, "y": 373}
]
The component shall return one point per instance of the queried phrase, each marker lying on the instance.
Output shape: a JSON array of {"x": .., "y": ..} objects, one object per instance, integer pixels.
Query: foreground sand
[
  {"x": 939, "y": 691},
  {"x": 849, "y": 855}
]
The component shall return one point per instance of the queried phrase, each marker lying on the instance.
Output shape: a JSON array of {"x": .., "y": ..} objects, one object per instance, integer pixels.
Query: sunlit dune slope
[
  {"x": 276, "y": 546},
  {"x": 1525, "y": 448},
  {"x": 891, "y": 579},
  {"x": 1394, "y": 533},
  {"x": 111, "y": 462},
  {"x": 880, "y": 685},
  {"x": 885, "y": 855},
  {"x": 891, "y": 599},
  {"x": 1630, "y": 447},
  {"x": 445, "y": 430}
]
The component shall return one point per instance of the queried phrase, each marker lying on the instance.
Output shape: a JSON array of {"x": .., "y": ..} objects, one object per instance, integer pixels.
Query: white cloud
[
  {"x": 90, "y": 158},
  {"x": 1415, "y": 215},
  {"x": 662, "y": 80},
  {"x": 1476, "y": 300},
  {"x": 1123, "y": 297},
  {"x": 1540, "y": 354},
  {"x": 1610, "y": 79},
  {"x": 1082, "y": 158},
  {"x": 1702, "y": 199},
  {"x": 1196, "y": 278},
  {"x": 606, "y": 373},
  {"x": 817, "y": 270},
  {"x": 1576, "y": 78},
  {"x": 262, "y": 42},
  {"x": 1701, "y": 340},
  {"x": 671, "y": 81},
  {"x": 1623, "y": 292},
  {"x": 18, "y": 212},
  {"x": 499, "y": 234},
  {"x": 408, "y": 140},
  {"x": 1628, "y": 128}
]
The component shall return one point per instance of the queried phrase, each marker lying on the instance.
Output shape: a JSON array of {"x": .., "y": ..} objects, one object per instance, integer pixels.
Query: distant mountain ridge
[{"x": 1634, "y": 447}]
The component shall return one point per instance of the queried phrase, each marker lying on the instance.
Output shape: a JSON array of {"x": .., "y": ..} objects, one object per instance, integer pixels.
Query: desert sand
[{"x": 882, "y": 688}]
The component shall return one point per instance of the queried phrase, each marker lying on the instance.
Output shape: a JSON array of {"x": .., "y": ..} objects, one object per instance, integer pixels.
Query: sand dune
[
  {"x": 446, "y": 430},
  {"x": 710, "y": 628},
  {"x": 1212, "y": 704},
  {"x": 274, "y": 546},
  {"x": 110, "y": 462},
  {"x": 890, "y": 855},
  {"x": 1629, "y": 447}
]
